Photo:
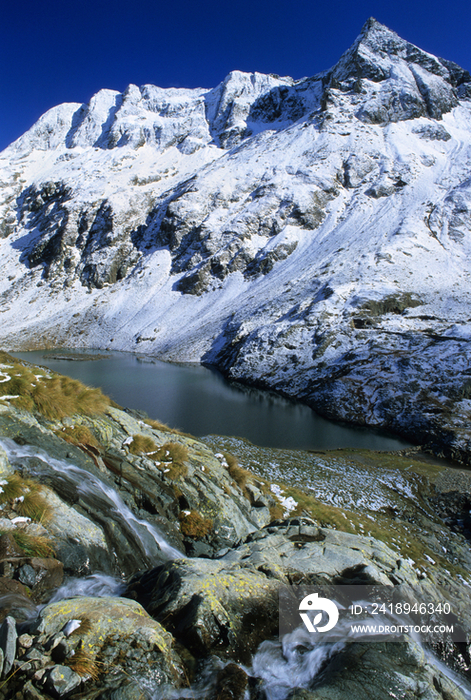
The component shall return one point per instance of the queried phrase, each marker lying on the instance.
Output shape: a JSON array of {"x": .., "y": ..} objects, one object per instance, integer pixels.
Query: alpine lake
[{"x": 200, "y": 401}]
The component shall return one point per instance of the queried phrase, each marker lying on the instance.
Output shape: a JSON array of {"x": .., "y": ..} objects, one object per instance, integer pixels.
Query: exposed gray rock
[
  {"x": 5, "y": 466},
  {"x": 31, "y": 693},
  {"x": 8, "y": 637},
  {"x": 61, "y": 681},
  {"x": 210, "y": 606}
]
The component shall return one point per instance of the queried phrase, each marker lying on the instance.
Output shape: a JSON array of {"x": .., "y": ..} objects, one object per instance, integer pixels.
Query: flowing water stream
[{"x": 103, "y": 501}]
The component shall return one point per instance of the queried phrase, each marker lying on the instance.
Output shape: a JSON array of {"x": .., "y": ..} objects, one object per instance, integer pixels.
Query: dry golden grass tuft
[
  {"x": 78, "y": 435},
  {"x": 83, "y": 663},
  {"x": 35, "y": 506},
  {"x": 276, "y": 512},
  {"x": 164, "y": 428},
  {"x": 194, "y": 525},
  {"x": 237, "y": 473},
  {"x": 174, "y": 456},
  {"x": 33, "y": 545},
  {"x": 157, "y": 425},
  {"x": 25, "y": 498},
  {"x": 11, "y": 487},
  {"x": 84, "y": 627},
  {"x": 54, "y": 396},
  {"x": 141, "y": 444}
]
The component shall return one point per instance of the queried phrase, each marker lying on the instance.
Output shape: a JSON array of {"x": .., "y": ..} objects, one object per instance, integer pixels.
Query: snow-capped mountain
[{"x": 311, "y": 236}]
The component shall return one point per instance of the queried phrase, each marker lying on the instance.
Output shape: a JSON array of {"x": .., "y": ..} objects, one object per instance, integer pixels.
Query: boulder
[
  {"x": 211, "y": 606},
  {"x": 106, "y": 640},
  {"x": 14, "y": 600}
]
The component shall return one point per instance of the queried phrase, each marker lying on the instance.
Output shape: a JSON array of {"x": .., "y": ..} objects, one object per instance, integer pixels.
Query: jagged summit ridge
[
  {"x": 293, "y": 232},
  {"x": 416, "y": 83},
  {"x": 396, "y": 80}
]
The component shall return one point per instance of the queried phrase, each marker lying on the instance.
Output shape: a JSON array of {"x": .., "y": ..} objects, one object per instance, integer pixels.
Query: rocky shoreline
[{"x": 158, "y": 558}]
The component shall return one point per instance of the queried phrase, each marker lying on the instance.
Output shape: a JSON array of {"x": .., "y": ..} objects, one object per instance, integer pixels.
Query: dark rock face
[
  {"x": 70, "y": 243},
  {"x": 210, "y": 608},
  {"x": 376, "y": 670}
]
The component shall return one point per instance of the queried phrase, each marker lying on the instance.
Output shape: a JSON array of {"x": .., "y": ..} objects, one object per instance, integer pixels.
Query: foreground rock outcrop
[{"x": 166, "y": 557}]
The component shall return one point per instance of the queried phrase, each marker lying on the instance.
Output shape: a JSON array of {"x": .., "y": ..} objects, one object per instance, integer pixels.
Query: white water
[
  {"x": 292, "y": 663},
  {"x": 296, "y": 660},
  {"x": 85, "y": 482},
  {"x": 96, "y": 586}
]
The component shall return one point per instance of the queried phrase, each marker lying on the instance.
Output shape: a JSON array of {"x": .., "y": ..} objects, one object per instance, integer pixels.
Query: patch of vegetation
[
  {"x": 78, "y": 435},
  {"x": 84, "y": 628},
  {"x": 24, "y": 497},
  {"x": 39, "y": 390},
  {"x": 237, "y": 473},
  {"x": 141, "y": 444},
  {"x": 136, "y": 180},
  {"x": 32, "y": 545},
  {"x": 164, "y": 428},
  {"x": 276, "y": 512},
  {"x": 83, "y": 663},
  {"x": 194, "y": 525},
  {"x": 173, "y": 455}
]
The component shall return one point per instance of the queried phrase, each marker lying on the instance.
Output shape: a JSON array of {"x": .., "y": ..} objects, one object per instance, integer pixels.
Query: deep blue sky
[{"x": 55, "y": 51}]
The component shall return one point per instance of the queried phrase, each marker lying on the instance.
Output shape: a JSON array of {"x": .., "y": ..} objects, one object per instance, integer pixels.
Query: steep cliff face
[{"x": 311, "y": 236}]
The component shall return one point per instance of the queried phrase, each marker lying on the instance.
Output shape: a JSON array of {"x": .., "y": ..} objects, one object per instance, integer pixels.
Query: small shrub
[
  {"x": 193, "y": 525},
  {"x": 141, "y": 444}
]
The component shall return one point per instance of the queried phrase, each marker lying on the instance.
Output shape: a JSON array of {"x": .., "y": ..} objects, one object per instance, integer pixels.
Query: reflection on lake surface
[{"x": 200, "y": 401}]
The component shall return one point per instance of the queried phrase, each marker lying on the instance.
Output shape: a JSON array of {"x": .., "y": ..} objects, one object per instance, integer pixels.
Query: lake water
[{"x": 200, "y": 401}]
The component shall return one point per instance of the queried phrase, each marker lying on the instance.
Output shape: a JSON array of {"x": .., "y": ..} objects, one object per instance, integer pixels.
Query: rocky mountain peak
[{"x": 395, "y": 80}]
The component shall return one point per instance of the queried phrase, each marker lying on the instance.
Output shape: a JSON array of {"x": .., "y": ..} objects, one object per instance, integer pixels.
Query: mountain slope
[{"x": 310, "y": 236}]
